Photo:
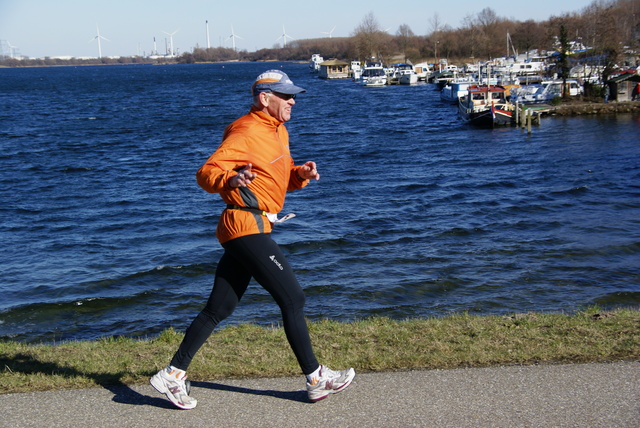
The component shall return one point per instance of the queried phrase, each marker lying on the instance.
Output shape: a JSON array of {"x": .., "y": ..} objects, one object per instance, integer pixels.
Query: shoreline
[{"x": 579, "y": 108}]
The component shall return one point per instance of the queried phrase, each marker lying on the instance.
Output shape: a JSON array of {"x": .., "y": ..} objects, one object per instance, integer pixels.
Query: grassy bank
[{"x": 376, "y": 344}]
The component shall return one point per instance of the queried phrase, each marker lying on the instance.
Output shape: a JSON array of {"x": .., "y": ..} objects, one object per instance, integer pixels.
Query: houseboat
[{"x": 334, "y": 69}]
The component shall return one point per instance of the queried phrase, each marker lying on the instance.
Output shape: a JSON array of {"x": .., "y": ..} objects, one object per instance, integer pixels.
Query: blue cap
[{"x": 275, "y": 81}]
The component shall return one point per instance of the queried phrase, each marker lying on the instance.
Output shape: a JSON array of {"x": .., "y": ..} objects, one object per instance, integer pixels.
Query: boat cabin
[
  {"x": 625, "y": 87},
  {"x": 487, "y": 94},
  {"x": 334, "y": 69}
]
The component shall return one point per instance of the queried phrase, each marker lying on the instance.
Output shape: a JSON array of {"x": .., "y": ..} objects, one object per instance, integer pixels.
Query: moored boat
[
  {"x": 486, "y": 106},
  {"x": 403, "y": 74},
  {"x": 356, "y": 70},
  {"x": 373, "y": 74},
  {"x": 423, "y": 70},
  {"x": 314, "y": 63},
  {"x": 456, "y": 89},
  {"x": 547, "y": 91},
  {"x": 442, "y": 78},
  {"x": 334, "y": 69}
]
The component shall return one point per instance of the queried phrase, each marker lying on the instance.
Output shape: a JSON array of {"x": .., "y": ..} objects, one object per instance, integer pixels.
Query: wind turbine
[
  {"x": 233, "y": 38},
  {"x": 171, "y": 51},
  {"x": 98, "y": 37},
  {"x": 284, "y": 37},
  {"x": 208, "y": 42},
  {"x": 12, "y": 49},
  {"x": 330, "y": 32}
]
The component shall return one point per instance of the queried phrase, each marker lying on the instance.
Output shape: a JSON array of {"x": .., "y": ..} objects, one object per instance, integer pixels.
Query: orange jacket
[{"x": 263, "y": 141}]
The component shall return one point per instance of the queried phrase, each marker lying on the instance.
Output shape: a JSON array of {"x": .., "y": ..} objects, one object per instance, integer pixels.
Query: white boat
[
  {"x": 524, "y": 94},
  {"x": 546, "y": 91},
  {"x": 314, "y": 64},
  {"x": 587, "y": 73},
  {"x": 373, "y": 75},
  {"x": 456, "y": 89},
  {"x": 356, "y": 70},
  {"x": 471, "y": 68},
  {"x": 423, "y": 70},
  {"x": 527, "y": 66},
  {"x": 406, "y": 74}
]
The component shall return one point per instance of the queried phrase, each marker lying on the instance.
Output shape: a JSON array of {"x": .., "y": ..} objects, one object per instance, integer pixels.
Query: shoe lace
[{"x": 327, "y": 373}]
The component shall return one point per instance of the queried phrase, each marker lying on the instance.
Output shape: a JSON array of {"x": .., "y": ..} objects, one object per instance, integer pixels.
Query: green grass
[{"x": 374, "y": 344}]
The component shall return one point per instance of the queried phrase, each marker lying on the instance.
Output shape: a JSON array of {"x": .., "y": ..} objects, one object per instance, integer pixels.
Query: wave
[{"x": 105, "y": 230}]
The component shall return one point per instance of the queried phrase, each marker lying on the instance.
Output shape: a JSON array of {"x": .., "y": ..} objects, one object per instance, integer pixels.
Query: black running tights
[{"x": 256, "y": 256}]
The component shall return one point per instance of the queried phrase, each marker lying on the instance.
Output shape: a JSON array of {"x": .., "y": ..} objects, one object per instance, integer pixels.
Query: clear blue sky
[{"x": 38, "y": 28}]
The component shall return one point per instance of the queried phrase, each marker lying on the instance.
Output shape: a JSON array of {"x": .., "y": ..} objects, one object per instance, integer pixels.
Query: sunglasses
[{"x": 285, "y": 97}]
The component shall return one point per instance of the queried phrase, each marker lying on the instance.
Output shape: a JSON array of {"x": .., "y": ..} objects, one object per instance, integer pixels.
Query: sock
[
  {"x": 312, "y": 378},
  {"x": 174, "y": 371}
]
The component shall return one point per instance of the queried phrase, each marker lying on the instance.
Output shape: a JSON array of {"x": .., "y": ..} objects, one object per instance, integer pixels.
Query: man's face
[{"x": 279, "y": 105}]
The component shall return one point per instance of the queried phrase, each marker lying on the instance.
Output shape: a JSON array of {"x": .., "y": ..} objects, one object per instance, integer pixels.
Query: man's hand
[
  {"x": 309, "y": 171},
  {"x": 243, "y": 178}
]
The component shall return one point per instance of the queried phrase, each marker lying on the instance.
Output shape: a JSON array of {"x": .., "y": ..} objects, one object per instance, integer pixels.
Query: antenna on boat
[{"x": 513, "y": 48}]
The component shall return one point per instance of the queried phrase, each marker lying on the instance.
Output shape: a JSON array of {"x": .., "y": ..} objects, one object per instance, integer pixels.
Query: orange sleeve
[
  {"x": 223, "y": 164},
  {"x": 214, "y": 178},
  {"x": 295, "y": 182}
]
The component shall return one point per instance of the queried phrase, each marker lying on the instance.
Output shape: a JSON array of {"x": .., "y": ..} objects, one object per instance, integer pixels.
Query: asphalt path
[{"x": 576, "y": 395}]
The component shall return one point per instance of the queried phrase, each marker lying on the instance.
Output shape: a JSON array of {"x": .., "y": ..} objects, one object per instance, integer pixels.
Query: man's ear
[{"x": 263, "y": 98}]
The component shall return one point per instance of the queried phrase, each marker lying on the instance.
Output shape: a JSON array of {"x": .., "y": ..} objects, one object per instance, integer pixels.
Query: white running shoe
[
  {"x": 171, "y": 382},
  {"x": 329, "y": 382}
]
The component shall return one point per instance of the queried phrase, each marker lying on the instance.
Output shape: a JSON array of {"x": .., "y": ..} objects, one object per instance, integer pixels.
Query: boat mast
[{"x": 513, "y": 48}]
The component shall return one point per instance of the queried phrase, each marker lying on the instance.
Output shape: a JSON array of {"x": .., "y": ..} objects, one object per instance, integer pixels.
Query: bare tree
[
  {"x": 491, "y": 32},
  {"x": 405, "y": 39},
  {"x": 487, "y": 18},
  {"x": 609, "y": 40},
  {"x": 527, "y": 36},
  {"x": 366, "y": 37},
  {"x": 435, "y": 25},
  {"x": 473, "y": 34}
]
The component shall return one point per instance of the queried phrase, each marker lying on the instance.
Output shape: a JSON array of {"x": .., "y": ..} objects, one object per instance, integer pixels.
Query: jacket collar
[{"x": 264, "y": 117}]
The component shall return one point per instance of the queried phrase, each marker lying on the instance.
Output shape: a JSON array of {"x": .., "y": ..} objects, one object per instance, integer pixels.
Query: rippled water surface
[{"x": 105, "y": 231}]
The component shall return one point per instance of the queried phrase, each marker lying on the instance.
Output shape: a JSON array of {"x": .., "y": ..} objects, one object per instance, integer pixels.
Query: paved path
[{"x": 580, "y": 395}]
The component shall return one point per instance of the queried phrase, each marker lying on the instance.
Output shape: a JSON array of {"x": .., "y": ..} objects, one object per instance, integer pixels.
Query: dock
[
  {"x": 531, "y": 114},
  {"x": 577, "y": 108}
]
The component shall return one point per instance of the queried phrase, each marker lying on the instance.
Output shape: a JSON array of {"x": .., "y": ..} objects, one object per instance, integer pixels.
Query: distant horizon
[{"x": 68, "y": 29}]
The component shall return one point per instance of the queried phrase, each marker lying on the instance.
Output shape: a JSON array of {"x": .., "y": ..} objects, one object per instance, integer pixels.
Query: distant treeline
[{"x": 610, "y": 29}]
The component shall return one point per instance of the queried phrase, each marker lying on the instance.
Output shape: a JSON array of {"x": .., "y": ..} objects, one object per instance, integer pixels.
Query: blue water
[{"x": 105, "y": 231}]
